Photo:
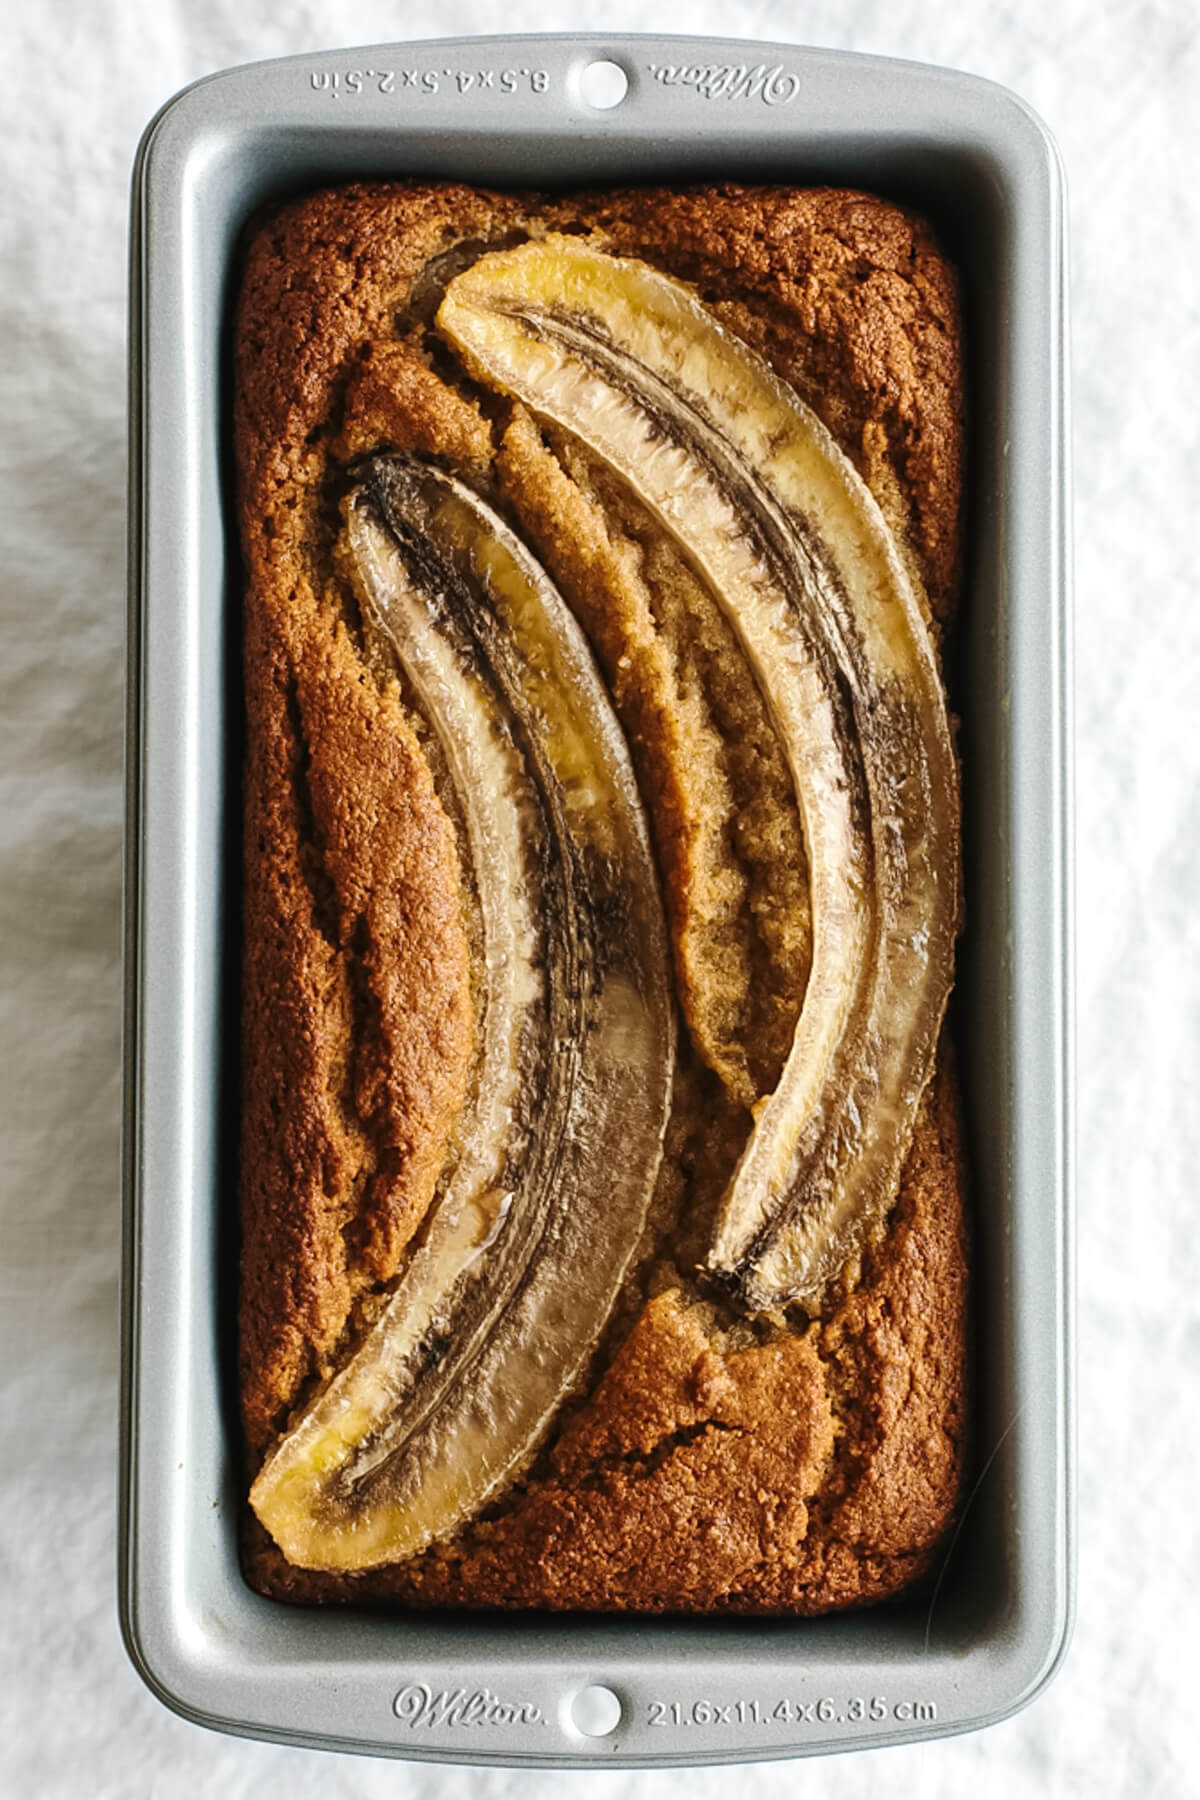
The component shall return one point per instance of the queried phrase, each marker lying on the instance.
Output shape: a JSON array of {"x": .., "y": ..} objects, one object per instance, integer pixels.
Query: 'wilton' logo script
[
  {"x": 730, "y": 81},
  {"x": 418, "y": 1705}
]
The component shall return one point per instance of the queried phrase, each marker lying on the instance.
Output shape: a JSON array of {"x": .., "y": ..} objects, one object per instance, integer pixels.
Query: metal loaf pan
[{"x": 515, "y": 112}]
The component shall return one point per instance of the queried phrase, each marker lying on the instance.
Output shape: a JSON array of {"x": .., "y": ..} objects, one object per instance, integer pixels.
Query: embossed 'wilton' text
[
  {"x": 730, "y": 81},
  {"x": 418, "y": 1705}
]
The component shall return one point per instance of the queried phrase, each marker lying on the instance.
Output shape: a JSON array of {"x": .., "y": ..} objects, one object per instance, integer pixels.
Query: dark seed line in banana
[
  {"x": 792, "y": 544},
  {"x": 517, "y": 1270}
]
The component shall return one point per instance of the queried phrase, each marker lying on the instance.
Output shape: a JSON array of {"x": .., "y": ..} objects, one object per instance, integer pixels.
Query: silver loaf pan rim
[{"x": 485, "y": 1689}]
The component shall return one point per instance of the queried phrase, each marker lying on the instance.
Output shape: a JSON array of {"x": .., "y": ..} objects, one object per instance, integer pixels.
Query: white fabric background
[{"x": 1120, "y": 85}]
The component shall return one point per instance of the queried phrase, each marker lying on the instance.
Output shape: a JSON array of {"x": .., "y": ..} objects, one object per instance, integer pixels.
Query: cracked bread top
[{"x": 705, "y": 1466}]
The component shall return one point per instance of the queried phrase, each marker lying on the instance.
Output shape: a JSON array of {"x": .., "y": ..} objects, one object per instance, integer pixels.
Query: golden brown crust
[{"x": 815, "y": 1470}]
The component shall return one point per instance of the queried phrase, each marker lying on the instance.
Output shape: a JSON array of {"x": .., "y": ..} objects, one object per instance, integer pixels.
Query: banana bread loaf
[{"x": 602, "y": 1196}]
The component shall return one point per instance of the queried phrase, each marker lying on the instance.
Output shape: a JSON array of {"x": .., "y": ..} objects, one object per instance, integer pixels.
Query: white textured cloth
[{"x": 1120, "y": 86}]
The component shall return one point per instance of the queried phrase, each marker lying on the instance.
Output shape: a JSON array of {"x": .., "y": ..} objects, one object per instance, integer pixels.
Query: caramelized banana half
[
  {"x": 506, "y": 1293},
  {"x": 796, "y": 551}
]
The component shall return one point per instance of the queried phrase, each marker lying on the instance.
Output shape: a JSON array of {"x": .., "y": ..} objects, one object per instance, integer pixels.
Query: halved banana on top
[
  {"x": 505, "y": 1295},
  {"x": 793, "y": 545}
]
